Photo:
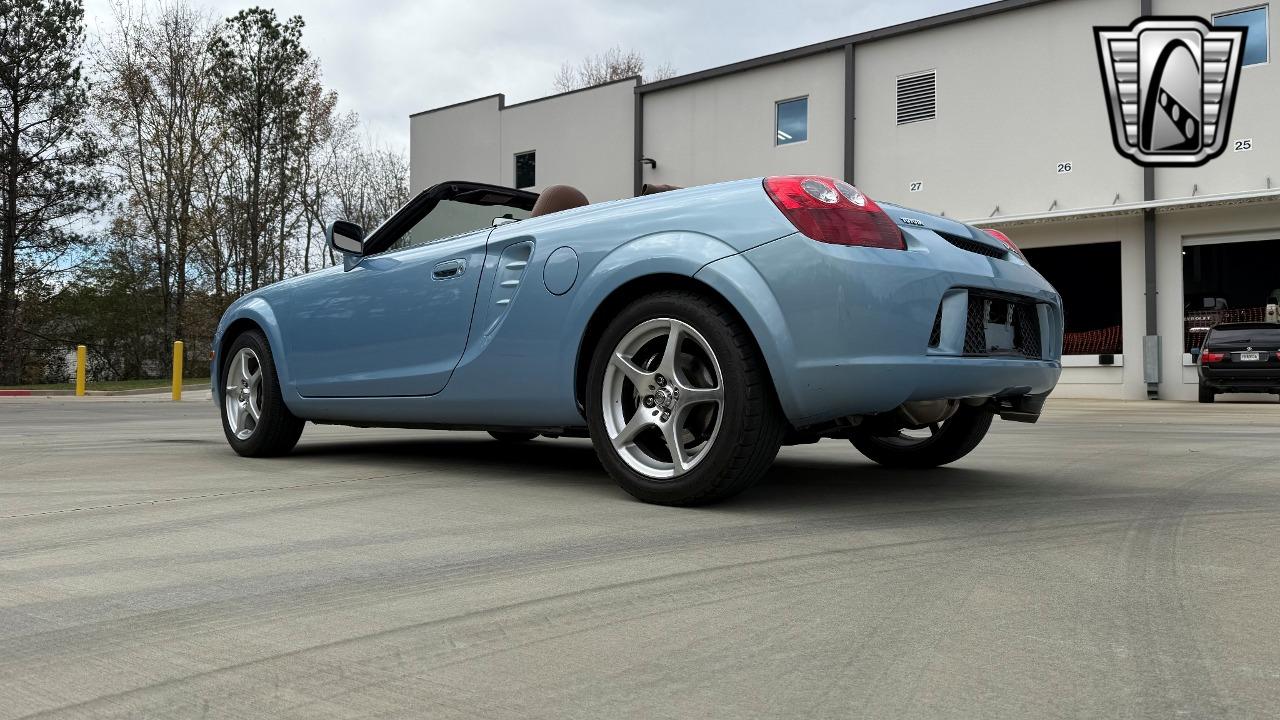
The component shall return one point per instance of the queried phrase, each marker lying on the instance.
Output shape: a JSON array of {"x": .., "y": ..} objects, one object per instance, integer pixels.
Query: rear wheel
[
  {"x": 1206, "y": 393},
  {"x": 938, "y": 444},
  {"x": 254, "y": 417},
  {"x": 679, "y": 402},
  {"x": 512, "y": 437}
]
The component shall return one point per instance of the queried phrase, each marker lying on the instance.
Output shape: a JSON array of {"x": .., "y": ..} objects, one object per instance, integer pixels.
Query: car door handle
[{"x": 449, "y": 269}]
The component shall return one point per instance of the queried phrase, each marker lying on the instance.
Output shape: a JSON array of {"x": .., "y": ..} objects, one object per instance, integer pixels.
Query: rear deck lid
[{"x": 956, "y": 233}]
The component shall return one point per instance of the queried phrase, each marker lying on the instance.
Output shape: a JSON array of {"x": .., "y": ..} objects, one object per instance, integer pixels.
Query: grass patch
[{"x": 156, "y": 383}]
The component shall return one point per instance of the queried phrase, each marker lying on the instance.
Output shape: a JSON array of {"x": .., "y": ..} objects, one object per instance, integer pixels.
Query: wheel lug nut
[
  {"x": 660, "y": 380},
  {"x": 648, "y": 401}
]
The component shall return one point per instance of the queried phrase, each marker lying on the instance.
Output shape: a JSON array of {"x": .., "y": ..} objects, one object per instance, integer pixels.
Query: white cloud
[{"x": 390, "y": 58}]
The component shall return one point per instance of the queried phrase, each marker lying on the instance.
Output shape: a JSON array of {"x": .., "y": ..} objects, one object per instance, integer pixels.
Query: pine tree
[
  {"x": 48, "y": 157},
  {"x": 259, "y": 73}
]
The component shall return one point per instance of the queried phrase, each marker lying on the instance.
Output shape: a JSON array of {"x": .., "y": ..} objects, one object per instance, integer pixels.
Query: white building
[{"x": 994, "y": 115}]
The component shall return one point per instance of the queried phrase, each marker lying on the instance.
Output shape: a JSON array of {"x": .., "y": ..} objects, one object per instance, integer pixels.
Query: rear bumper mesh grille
[{"x": 1002, "y": 326}]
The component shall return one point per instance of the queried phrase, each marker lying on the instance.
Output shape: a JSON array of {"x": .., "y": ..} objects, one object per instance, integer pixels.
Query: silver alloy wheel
[
  {"x": 663, "y": 398},
  {"x": 243, "y": 393}
]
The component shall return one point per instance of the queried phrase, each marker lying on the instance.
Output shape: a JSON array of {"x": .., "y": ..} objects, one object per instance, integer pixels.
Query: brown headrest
[
  {"x": 650, "y": 189},
  {"x": 557, "y": 198}
]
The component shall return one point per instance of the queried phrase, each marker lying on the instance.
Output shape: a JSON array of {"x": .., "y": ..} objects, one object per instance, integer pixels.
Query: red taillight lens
[
  {"x": 1007, "y": 242},
  {"x": 832, "y": 211},
  {"x": 1209, "y": 356}
]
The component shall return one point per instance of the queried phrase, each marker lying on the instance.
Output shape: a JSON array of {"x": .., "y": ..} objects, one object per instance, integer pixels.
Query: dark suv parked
[{"x": 1240, "y": 357}]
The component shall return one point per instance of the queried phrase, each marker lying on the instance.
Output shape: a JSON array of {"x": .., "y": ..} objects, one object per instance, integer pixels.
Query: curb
[{"x": 91, "y": 393}]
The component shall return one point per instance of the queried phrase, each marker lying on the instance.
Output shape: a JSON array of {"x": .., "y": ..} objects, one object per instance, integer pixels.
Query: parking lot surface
[{"x": 1116, "y": 560}]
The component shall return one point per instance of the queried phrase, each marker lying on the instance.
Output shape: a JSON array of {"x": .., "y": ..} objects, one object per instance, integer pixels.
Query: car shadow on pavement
[
  {"x": 857, "y": 482},
  {"x": 458, "y": 451},
  {"x": 792, "y": 482}
]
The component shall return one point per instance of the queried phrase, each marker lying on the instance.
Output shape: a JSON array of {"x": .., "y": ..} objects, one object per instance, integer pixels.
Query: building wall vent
[{"x": 917, "y": 98}]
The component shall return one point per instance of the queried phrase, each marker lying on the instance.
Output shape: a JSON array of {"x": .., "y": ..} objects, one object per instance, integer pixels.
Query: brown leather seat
[
  {"x": 652, "y": 189},
  {"x": 557, "y": 198}
]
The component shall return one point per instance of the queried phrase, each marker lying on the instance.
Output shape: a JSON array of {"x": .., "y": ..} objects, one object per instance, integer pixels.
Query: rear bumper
[
  {"x": 850, "y": 330},
  {"x": 1247, "y": 380}
]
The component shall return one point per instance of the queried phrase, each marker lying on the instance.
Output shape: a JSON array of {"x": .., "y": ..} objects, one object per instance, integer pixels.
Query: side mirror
[{"x": 345, "y": 237}]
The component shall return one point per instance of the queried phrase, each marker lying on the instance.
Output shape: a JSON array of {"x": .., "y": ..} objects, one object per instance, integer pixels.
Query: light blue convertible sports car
[{"x": 689, "y": 333}]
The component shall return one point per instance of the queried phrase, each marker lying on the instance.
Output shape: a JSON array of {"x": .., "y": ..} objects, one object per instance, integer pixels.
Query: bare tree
[
  {"x": 370, "y": 184},
  {"x": 157, "y": 107},
  {"x": 315, "y": 165},
  {"x": 606, "y": 67},
  {"x": 228, "y": 158}
]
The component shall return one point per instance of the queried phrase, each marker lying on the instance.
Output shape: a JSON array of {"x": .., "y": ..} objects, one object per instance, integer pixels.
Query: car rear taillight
[
  {"x": 832, "y": 211},
  {"x": 1006, "y": 241},
  {"x": 1209, "y": 356}
]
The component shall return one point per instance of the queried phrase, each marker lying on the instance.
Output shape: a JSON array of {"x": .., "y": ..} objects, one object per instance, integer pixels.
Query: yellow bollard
[
  {"x": 177, "y": 370},
  {"x": 80, "y": 362}
]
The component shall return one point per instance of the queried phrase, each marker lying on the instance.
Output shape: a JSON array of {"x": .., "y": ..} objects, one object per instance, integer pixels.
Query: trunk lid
[{"x": 950, "y": 230}]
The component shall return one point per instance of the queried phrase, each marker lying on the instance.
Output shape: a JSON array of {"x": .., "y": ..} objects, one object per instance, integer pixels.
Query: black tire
[
  {"x": 277, "y": 430},
  {"x": 751, "y": 423},
  {"x": 512, "y": 437},
  {"x": 1206, "y": 394},
  {"x": 955, "y": 438}
]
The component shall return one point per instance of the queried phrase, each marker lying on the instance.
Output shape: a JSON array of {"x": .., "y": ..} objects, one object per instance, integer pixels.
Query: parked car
[
  {"x": 689, "y": 333},
  {"x": 1240, "y": 357}
]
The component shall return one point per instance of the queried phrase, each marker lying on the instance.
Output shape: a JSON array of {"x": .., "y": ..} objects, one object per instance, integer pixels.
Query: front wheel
[
  {"x": 254, "y": 417},
  {"x": 679, "y": 403},
  {"x": 938, "y": 444}
]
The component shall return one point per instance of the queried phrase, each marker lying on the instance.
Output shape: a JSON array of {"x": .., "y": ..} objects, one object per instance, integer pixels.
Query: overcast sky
[{"x": 390, "y": 58}]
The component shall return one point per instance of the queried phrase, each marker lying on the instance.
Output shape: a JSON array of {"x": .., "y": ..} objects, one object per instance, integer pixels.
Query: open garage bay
[{"x": 1115, "y": 560}]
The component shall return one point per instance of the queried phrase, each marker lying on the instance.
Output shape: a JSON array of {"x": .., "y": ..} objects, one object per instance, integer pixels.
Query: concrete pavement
[{"x": 1116, "y": 560}]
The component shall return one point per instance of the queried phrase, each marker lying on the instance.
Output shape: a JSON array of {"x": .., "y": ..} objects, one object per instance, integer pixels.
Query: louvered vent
[
  {"x": 917, "y": 99},
  {"x": 511, "y": 267}
]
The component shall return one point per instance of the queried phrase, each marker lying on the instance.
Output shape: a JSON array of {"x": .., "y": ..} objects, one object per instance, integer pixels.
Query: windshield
[
  {"x": 451, "y": 218},
  {"x": 448, "y": 210}
]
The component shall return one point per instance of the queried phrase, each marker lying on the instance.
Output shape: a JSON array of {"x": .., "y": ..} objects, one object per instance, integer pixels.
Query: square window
[
  {"x": 1256, "y": 42},
  {"x": 792, "y": 121},
  {"x": 525, "y": 175}
]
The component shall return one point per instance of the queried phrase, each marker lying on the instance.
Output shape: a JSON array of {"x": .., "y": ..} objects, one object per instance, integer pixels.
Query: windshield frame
[{"x": 421, "y": 205}]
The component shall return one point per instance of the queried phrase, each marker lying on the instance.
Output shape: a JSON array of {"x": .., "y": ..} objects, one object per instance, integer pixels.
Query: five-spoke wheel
[
  {"x": 679, "y": 403},
  {"x": 243, "y": 393},
  {"x": 254, "y": 417},
  {"x": 663, "y": 396}
]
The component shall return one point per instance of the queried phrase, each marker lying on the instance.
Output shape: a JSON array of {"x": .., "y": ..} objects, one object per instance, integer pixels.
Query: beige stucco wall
[
  {"x": 455, "y": 143},
  {"x": 584, "y": 139},
  {"x": 1017, "y": 93},
  {"x": 723, "y": 128}
]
